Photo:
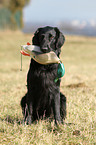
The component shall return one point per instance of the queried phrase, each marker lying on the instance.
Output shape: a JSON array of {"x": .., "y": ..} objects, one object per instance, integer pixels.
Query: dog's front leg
[
  {"x": 56, "y": 108},
  {"x": 30, "y": 113},
  {"x": 62, "y": 107}
]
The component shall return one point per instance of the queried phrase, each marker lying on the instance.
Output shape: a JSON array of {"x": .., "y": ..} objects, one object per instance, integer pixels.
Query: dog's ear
[
  {"x": 60, "y": 39},
  {"x": 35, "y": 39}
]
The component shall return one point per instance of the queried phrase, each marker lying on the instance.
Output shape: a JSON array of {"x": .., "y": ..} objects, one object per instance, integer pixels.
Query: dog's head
[{"x": 49, "y": 39}]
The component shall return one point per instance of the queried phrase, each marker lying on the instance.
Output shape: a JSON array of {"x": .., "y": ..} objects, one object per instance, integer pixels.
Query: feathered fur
[{"x": 43, "y": 97}]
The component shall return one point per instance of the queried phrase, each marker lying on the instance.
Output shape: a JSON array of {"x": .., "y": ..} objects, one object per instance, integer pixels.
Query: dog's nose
[{"x": 45, "y": 50}]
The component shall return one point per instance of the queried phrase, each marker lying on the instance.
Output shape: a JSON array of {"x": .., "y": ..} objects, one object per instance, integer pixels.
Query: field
[{"x": 78, "y": 84}]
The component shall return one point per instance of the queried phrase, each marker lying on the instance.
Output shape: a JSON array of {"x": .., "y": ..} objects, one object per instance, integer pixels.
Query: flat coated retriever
[{"x": 43, "y": 97}]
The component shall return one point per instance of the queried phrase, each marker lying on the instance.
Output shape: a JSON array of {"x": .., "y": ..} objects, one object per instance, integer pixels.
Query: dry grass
[{"x": 78, "y": 84}]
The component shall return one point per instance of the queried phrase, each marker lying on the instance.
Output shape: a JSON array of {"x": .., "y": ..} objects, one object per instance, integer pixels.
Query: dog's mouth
[
  {"x": 28, "y": 49},
  {"x": 35, "y": 53},
  {"x": 45, "y": 50}
]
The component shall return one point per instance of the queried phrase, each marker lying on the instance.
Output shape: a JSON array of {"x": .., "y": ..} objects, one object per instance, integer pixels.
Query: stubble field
[{"x": 78, "y": 85}]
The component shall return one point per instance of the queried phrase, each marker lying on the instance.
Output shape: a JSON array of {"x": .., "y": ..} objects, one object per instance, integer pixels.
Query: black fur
[{"x": 43, "y": 97}]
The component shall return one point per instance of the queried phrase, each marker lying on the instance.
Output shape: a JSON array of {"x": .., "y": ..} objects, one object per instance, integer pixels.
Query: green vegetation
[
  {"x": 78, "y": 84},
  {"x": 11, "y": 15}
]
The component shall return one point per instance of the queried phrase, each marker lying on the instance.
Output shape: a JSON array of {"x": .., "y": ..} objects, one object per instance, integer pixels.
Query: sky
[{"x": 59, "y": 10}]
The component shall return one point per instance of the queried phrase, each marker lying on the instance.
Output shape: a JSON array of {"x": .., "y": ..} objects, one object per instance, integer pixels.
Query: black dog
[{"x": 43, "y": 97}]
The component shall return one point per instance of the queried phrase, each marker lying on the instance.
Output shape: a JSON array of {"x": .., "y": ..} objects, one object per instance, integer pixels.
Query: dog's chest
[
  {"x": 41, "y": 80},
  {"x": 41, "y": 85}
]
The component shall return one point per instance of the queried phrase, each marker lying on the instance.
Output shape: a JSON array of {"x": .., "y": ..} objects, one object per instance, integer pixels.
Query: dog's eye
[{"x": 51, "y": 37}]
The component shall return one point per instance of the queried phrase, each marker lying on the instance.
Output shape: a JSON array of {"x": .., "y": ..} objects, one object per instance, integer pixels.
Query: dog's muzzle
[{"x": 44, "y": 50}]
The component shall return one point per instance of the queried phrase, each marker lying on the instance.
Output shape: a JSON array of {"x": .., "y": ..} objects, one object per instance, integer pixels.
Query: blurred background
[{"x": 71, "y": 16}]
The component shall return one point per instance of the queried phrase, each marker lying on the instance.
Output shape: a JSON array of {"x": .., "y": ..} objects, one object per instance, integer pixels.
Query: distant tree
[
  {"x": 1, "y": 1},
  {"x": 15, "y": 6}
]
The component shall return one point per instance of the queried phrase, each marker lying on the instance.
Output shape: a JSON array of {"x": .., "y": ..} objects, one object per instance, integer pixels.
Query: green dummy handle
[{"x": 60, "y": 71}]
